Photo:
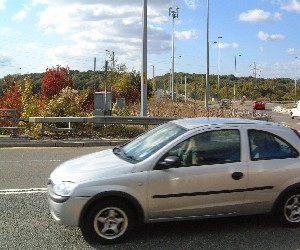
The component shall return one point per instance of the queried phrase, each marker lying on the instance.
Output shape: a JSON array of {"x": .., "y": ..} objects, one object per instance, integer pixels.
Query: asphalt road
[
  {"x": 25, "y": 221},
  {"x": 282, "y": 118}
]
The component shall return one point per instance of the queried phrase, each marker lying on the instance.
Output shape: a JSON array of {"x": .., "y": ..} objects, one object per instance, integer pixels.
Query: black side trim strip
[{"x": 161, "y": 196}]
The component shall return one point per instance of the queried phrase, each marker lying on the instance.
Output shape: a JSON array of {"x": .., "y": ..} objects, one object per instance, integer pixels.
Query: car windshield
[{"x": 145, "y": 145}]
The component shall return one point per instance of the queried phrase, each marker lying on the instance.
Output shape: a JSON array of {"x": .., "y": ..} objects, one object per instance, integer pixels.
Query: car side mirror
[{"x": 168, "y": 162}]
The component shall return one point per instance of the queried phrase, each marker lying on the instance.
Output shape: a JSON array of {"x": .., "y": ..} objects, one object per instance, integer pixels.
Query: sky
[{"x": 246, "y": 37}]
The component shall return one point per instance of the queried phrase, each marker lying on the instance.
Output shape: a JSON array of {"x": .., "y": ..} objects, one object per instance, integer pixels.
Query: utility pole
[
  {"x": 235, "y": 65},
  {"x": 185, "y": 89},
  {"x": 68, "y": 70},
  {"x": 170, "y": 85},
  {"x": 144, "y": 64},
  {"x": 113, "y": 70},
  {"x": 105, "y": 89},
  {"x": 173, "y": 14},
  {"x": 207, "y": 58},
  {"x": 296, "y": 80},
  {"x": 254, "y": 70},
  {"x": 112, "y": 67},
  {"x": 153, "y": 82},
  {"x": 218, "y": 94},
  {"x": 94, "y": 75}
]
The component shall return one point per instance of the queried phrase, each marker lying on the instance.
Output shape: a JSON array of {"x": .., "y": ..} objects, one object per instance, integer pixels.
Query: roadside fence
[{"x": 9, "y": 120}]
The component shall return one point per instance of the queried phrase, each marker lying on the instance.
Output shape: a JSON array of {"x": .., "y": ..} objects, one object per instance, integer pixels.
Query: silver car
[
  {"x": 189, "y": 168},
  {"x": 295, "y": 111}
]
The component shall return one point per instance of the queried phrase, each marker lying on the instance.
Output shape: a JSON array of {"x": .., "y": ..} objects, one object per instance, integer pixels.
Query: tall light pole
[
  {"x": 235, "y": 62},
  {"x": 112, "y": 57},
  {"x": 95, "y": 60},
  {"x": 144, "y": 64},
  {"x": 296, "y": 80},
  {"x": 153, "y": 83},
  {"x": 112, "y": 67},
  {"x": 219, "y": 62},
  {"x": 173, "y": 14},
  {"x": 185, "y": 89},
  {"x": 218, "y": 95},
  {"x": 207, "y": 58}
]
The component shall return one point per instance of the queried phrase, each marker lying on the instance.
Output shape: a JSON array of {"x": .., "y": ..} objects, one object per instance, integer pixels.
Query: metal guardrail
[
  {"x": 13, "y": 118},
  {"x": 136, "y": 120},
  {"x": 104, "y": 120},
  {"x": 96, "y": 120}
]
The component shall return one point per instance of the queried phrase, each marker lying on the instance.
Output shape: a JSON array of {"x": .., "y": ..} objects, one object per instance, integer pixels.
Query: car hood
[{"x": 92, "y": 166}]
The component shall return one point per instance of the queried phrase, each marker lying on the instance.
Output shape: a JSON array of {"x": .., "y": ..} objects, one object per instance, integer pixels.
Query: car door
[
  {"x": 273, "y": 163},
  {"x": 214, "y": 185}
]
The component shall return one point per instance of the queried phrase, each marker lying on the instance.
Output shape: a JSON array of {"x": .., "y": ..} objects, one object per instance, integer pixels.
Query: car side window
[
  {"x": 267, "y": 146},
  {"x": 214, "y": 147}
]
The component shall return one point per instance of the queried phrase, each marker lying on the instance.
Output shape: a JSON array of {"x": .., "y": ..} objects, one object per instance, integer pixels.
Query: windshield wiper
[{"x": 131, "y": 157}]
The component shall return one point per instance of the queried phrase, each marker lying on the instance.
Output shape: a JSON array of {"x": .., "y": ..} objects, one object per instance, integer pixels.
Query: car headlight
[{"x": 64, "y": 188}]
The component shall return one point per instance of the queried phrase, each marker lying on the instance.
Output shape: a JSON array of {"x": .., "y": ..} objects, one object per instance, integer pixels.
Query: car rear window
[{"x": 267, "y": 146}]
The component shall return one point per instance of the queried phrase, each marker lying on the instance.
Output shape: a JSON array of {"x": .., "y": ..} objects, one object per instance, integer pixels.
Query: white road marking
[
  {"x": 23, "y": 191},
  {"x": 31, "y": 161}
]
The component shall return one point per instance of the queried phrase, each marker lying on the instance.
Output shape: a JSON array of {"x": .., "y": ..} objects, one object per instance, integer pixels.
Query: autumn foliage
[
  {"x": 10, "y": 99},
  {"x": 57, "y": 96},
  {"x": 55, "y": 79},
  {"x": 11, "y": 96},
  {"x": 128, "y": 86}
]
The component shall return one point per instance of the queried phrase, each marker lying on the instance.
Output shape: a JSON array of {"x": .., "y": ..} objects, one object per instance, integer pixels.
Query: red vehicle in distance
[{"x": 259, "y": 105}]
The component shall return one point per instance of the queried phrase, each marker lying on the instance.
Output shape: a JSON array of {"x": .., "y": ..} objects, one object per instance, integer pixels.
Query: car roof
[{"x": 196, "y": 122}]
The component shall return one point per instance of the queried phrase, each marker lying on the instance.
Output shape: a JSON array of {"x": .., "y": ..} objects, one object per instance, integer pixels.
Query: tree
[
  {"x": 11, "y": 98},
  {"x": 55, "y": 80},
  {"x": 29, "y": 103},
  {"x": 67, "y": 103},
  {"x": 128, "y": 85}
]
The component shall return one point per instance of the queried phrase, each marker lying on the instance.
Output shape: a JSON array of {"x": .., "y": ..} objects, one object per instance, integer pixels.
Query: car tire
[
  {"x": 108, "y": 222},
  {"x": 288, "y": 210}
]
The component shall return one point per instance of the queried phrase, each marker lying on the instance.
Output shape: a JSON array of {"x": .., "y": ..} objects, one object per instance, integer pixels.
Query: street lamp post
[
  {"x": 296, "y": 80},
  {"x": 170, "y": 85},
  {"x": 144, "y": 63},
  {"x": 295, "y": 90},
  {"x": 95, "y": 60},
  {"x": 185, "y": 89},
  {"x": 153, "y": 82},
  {"x": 219, "y": 37},
  {"x": 112, "y": 67},
  {"x": 173, "y": 14},
  {"x": 235, "y": 62},
  {"x": 207, "y": 57}
]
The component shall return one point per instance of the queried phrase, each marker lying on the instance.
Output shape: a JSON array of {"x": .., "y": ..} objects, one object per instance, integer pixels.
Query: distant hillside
[{"x": 280, "y": 89}]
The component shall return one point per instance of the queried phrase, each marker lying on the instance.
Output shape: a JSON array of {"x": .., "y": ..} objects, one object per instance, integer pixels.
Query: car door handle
[{"x": 237, "y": 175}]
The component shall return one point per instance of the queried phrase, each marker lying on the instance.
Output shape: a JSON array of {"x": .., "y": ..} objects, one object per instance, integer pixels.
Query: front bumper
[{"x": 69, "y": 211}]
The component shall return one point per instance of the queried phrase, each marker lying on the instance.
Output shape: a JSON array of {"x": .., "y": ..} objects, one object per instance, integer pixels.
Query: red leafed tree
[
  {"x": 55, "y": 79},
  {"x": 11, "y": 98}
]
